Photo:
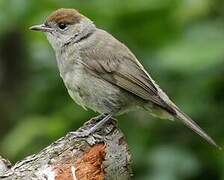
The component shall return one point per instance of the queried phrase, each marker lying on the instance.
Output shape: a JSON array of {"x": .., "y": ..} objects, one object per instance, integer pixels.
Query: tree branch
[
  {"x": 5, "y": 165},
  {"x": 102, "y": 155}
]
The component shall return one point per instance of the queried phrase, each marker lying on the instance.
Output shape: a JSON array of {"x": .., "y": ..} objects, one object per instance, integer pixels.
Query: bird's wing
[
  {"x": 112, "y": 61},
  {"x": 116, "y": 64}
]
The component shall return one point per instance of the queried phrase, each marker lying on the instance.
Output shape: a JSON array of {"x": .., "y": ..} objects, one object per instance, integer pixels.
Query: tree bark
[
  {"x": 102, "y": 155},
  {"x": 5, "y": 165}
]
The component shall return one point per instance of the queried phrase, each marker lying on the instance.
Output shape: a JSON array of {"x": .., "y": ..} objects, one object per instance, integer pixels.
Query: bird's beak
[{"x": 41, "y": 27}]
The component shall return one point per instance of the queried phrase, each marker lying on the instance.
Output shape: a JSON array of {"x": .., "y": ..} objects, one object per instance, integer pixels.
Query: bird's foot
[
  {"x": 80, "y": 134},
  {"x": 103, "y": 119}
]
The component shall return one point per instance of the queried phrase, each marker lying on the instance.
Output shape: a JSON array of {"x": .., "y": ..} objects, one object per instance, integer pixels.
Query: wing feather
[{"x": 117, "y": 65}]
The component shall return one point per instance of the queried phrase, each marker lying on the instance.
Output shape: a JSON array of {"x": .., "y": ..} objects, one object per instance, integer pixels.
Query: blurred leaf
[
  {"x": 170, "y": 163},
  {"x": 200, "y": 47}
]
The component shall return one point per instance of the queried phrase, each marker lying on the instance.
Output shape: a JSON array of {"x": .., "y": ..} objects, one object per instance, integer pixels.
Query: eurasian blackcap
[{"x": 102, "y": 74}]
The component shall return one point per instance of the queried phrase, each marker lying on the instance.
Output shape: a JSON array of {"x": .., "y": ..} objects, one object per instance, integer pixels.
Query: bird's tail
[{"x": 194, "y": 126}]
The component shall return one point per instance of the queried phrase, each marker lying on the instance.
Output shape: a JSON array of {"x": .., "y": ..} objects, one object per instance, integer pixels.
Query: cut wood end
[{"x": 88, "y": 166}]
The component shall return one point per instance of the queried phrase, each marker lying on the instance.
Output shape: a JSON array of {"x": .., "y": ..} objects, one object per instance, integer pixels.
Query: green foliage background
[{"x": 180, "y": 42}]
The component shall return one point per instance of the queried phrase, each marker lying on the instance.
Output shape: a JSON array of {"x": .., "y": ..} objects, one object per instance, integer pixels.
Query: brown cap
[{"x": 67, "y": 16}]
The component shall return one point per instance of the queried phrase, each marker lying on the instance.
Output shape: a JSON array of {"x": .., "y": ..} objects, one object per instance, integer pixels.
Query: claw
[
  {"x": 82, "y": 134},
  {"x": 103, "y": 118}
]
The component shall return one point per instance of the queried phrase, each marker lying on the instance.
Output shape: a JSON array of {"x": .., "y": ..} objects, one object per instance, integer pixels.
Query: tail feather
[{"x": 195, "y": 127}]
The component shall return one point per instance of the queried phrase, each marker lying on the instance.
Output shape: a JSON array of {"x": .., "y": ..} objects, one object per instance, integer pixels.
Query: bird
[{"x": 101, "y": 73}]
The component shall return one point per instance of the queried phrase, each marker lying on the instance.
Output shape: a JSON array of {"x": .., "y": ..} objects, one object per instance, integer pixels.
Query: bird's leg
[
  {"x": 104, "y": 119},
  {"x": 98, "y": 125}
]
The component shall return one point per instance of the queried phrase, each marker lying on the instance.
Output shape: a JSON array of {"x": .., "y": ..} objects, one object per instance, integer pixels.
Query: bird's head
[{"x": 64, "y": 26}]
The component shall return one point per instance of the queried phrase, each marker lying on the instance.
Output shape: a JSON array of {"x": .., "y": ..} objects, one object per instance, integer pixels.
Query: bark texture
[
  {"x": 5, "y": 165},
  {"x": 102, "y": 155}
]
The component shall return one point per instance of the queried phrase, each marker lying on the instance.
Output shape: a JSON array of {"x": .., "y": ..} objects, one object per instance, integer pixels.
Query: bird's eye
[{"x": 62, "y": 25}]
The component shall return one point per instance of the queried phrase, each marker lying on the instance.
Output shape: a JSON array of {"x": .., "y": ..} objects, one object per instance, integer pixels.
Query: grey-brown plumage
[{"x": 102, "y": 74}]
